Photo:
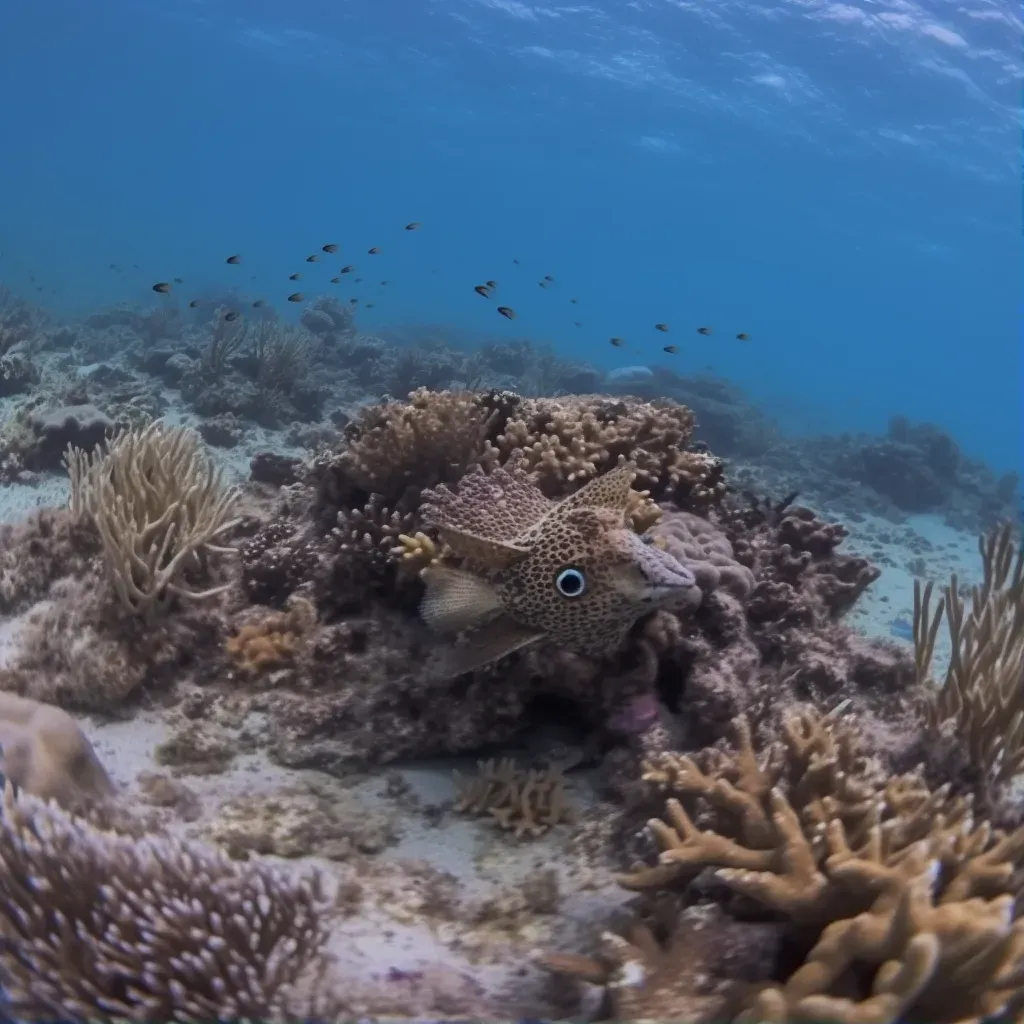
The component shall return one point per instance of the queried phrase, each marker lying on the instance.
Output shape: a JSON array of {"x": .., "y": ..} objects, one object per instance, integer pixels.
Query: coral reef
[
  {"x": 902, "y": 901},
  {"x": 158, "y": 505},
  {"x": 526, "y": 803},
  {"x": 976, "y": 715},
  {"x": 45, "y": 753},
  {"x": 96, "y": 925}
]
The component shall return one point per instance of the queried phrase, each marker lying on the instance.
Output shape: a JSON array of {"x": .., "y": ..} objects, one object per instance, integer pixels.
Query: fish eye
[{"x": 571, "y": 583}]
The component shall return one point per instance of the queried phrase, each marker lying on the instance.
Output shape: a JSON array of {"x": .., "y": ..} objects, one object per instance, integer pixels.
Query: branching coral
[
  {"x": 526, "y": 803},
  {"x": 980, "y": 702},
  {"x": 903, "y": 882},
  {"x": 98, "y": 926},
  {"x": 567, "y": 441},
  {"x": 432, "y": 438},
  {"x": 158, "y": 505}
]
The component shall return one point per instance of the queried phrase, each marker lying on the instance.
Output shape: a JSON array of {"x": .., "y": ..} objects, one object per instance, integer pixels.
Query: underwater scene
[{"x": 511, "y": 510}]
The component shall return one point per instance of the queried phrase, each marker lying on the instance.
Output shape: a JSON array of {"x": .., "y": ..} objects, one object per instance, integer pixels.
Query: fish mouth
[{"x": 669, "y": 582}]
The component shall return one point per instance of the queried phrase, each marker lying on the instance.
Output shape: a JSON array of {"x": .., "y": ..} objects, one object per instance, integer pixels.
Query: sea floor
[{"x": 433, "y": 911}]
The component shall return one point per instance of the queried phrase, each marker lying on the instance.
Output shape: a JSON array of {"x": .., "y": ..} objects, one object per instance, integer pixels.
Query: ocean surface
[{"x": 840, "y": 181}]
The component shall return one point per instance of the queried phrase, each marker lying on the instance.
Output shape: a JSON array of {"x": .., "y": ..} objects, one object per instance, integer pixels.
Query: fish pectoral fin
[
  {"x": 489, "y": 643},
  {"x": 456, "y": 600}
]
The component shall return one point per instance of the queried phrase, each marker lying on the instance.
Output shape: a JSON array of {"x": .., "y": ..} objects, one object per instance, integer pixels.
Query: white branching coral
[
  {"x": 98, "y": 926},
  {"x": 159, "y": 504}
]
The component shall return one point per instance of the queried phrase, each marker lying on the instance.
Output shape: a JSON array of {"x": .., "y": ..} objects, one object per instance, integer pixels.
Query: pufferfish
[{"x": 572, "y": 571}]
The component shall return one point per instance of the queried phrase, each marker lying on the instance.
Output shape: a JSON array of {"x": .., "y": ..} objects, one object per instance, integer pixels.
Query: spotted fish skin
[{"x": 520, "y": 553}]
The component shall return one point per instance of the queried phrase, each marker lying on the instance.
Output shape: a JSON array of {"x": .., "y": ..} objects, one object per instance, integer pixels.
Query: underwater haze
[{"x": 841, "y": 181}]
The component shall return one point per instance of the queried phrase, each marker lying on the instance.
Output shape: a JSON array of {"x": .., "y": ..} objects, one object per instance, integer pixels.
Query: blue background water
[{"x": 840, "y": 180}]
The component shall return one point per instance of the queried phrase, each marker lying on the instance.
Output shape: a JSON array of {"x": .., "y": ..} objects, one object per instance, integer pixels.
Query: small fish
[
  {"x": 294, "y": 277},
  {"x": 413, "y": 226},
  {"x": 295, "y": 297},
  {"x": 335, "y": 280},
  {"x": 661, "y": 327},
  {"x": 543, "y": 284},
  {"x": 233, "y": 315},
  {"x": 114, "y": 266},
  {"x": 330, "y": 247},
  {"x": 162, "y": 288},
  {"x": 548, "y": 277},
  {"x": 507, "y": 313},
  {"x": 742, "y": 337},
  {"x": 234, "y": 260},
  {"x": 383, "y": 283},
  {"x": 369, "y": 305},
  {"x": 313, "y": 259},
  {"x": 704, "y": 330},
  {"x": 482, "y": 289},
  {"x": 491, "y": 284},
  {"x": 178, "y": 280},
  {"x": 194, "y": 304},
  {"x": 671, "y": 349},
  {"x": 574, "y": 301},
  {"x": 515, "y": 261},
  {"x": 374, "y": 251},
  {"x": 357, "y": 280},
  {"x": 353, "y": 301},
  {"x": 572, "y": 572},
  {"x": 577, "y": 323},
  {"x": 348, "y": 269},
  {"x": 617, "y": 342},
  {"x": 257, "y": 304}
]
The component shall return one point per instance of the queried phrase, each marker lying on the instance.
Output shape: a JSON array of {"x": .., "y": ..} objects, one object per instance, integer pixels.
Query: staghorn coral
[
  {"x": 526, "y": 803},
  {"x": 158, "y": 505},
  {"x": 902, "y": 900},
  {"x": 99, "y": 926},
  {"x": 978, "y": 709}
]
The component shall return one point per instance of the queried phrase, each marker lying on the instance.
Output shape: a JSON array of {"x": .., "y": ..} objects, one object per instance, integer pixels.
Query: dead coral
[
  {"x": 524, "y": 802},
  {"x": 158, "y": 505},
  {"x": 45, "y": 753},
  {"x": 301, "y": 821},
  {"x": 33, "y": 554},
  {"x": 82, "y": 651},
  {"x": 97, "y": 926},
  {"x": 979, "y": 706}
]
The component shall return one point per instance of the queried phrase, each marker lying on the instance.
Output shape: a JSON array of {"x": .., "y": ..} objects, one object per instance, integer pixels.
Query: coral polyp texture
[
  {"x": 786, "y": 819},
  {"x": 96, "y": 925}
]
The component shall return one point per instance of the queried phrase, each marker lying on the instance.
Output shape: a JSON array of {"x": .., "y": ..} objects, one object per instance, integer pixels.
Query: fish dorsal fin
[
  {"x": 490, "y": 554},
  {"x": 456, "y": 600},
  {"x": 486, "y": 645},
  {"x": 609, "y": 491}
]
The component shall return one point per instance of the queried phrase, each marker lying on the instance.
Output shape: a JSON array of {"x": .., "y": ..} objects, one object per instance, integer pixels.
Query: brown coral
[
  {"x": 271, "y": 642},
  {"x": 44, "y": 752},
  {"x": 526, "y": 803},
  {"x": 159, "y": 505},
  {"x": 979, "y": 706},
  {"x": 814, "y": 833},
  {"x": 97, "y": 926}
]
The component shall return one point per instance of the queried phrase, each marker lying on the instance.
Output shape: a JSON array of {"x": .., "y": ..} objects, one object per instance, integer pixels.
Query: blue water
[{"x": 842, "y": 181}]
